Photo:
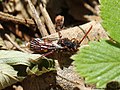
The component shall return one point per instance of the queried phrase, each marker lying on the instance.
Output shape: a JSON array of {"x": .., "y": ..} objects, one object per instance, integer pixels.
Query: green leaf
[
  {"x": 7, "y": 76},
  {"x": 35, "y": 70},
  {"x": 42, "y": 66},
  {"x": 16, "y": 57},
  {"x": 32, "y": 71},
  {"x": 1, "y": 1},
  {"x": 99, "y": 63},
  {"x": 110, "y": 13}
]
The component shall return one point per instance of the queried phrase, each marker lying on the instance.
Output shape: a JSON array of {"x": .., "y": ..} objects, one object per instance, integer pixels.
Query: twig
[
  {"x": 35, "y": 16},
  {"x": 90, "y": 8},
  {"x": 15, "y": 44},
  {"x": 47, "y": 19},
  {"x": 4, "y": 17},
  {"x": 85, "y": 34},
  {"x": 68, "y": 80}
]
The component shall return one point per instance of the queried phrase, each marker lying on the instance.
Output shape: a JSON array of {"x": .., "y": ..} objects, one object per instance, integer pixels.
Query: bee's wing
[
  {"x": 57, "y": 46},
  {"x": 51, "y": 39}
]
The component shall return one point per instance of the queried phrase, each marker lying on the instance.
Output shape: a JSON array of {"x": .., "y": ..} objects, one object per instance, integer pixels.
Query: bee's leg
[
  {"x": 59, "y": 34},
  {"x": 48, "y": 53}
]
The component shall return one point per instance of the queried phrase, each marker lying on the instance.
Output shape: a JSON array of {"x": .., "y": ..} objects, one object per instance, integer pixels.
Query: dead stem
[
  {"x": 37, "y": 19},
  {"x": 9, "y": 18},
  {"x": 47, "y": 18},
  {"x": 14, "y": 44},
  {"x": 68, "y": 80}
]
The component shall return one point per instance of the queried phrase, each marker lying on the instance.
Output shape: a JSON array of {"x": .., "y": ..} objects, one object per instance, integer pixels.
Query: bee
[
  {"x": 45, "y": 45},
  {"x": 60, "y": 50}
]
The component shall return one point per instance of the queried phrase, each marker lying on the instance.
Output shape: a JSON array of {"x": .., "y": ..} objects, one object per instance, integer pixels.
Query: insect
[{"x": 45, "y": 46}]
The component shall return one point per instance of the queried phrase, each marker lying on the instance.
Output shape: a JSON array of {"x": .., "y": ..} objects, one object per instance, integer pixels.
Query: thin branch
[
  {"x": 90, "y": 8},
  {"x": 85, "y": 34},
  {"x": 48, "y": 21},
  {"x": 4, "y": 17},
  {"x": 38, "y": 21},
  {"x": 14, "y": 44},
  {"x": 68, "y": 80}
]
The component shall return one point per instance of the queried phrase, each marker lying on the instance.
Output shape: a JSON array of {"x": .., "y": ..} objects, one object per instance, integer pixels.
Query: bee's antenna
[{"x": 86, "y": 34}]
